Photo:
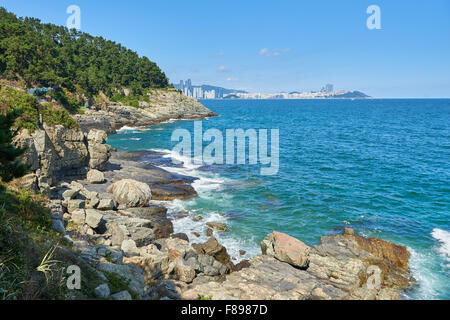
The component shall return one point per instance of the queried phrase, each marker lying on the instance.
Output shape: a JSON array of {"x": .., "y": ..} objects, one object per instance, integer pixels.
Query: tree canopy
[
  {"x": 10, "y": 168},
  {"x": 46, "y": 55}
]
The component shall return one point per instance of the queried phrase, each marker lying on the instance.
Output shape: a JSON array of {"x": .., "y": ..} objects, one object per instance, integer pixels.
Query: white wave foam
[
  {"x": 127, "y": 128},
  {"x": 206, "y": 185},
  {"x": 136, "y": 139},
  {"x": 444, "y": 239},
  {"x": 178, "y": 158},
  {"x": 427, "y": 282}
]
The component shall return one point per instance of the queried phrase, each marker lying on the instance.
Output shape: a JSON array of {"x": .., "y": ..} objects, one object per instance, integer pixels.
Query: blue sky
[{"x": 272, "y": 46}]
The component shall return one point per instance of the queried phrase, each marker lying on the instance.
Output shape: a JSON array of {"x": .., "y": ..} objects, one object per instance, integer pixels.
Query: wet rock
[
  {"x": 131, "y": 193},
  {"x": 241, "y": 265},
  {"x": 149, "y": 212},
  {"x": 213, "y": 248},
  {"x": 219, "y": 226},
  {"x": 209, "y": 232},
  {"x": 196, "y": 234},
  {"x": 173, "y": 191},
  {"x": 181, "y": 236},
  {"x": 242, "y": 252},
  {"x": 286, "y": 249},
  {"x": 198, "y": 218}
]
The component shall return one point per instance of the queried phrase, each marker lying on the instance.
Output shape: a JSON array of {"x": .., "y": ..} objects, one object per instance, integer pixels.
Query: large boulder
[
  {"x": 131, "y": 193},
  {"x": 286, "y": 249}
]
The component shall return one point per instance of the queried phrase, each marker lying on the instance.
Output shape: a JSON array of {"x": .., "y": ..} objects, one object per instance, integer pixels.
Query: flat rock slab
[{"x": 164, "y": 185}]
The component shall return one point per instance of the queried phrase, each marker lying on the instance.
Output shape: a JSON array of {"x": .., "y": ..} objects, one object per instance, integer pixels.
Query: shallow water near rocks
[{"x": 378, "y": 166}]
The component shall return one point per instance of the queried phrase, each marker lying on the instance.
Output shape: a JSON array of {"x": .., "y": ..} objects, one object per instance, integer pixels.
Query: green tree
[{"x": 10, "y": 167}]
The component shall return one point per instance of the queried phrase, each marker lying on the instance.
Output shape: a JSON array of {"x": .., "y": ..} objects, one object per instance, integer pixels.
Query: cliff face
[
  {"x": 55, "y": 153},
  {"x": 163, "y": 105}
]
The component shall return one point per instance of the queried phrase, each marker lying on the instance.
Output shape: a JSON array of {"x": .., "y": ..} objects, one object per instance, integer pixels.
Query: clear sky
[{"x": 272, "y": 46}]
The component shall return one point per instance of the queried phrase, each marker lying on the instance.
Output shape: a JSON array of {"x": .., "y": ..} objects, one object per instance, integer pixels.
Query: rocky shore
[
  {"x": 163, "y": 106},
  {"x": 106, "y": 205}
]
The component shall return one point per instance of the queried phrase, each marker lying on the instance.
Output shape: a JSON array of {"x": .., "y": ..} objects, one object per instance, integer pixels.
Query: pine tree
[{"x": 10, "y": 167}]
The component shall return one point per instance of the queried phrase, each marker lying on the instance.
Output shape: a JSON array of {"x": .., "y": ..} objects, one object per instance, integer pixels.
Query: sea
[{"x": 380, "y": 166}]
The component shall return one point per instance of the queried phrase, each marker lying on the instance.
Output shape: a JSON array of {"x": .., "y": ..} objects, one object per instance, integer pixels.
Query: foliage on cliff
[
  {"x": 25, "y": 240},
  {"x": 10, "y": 168},
  {"x": 25, "y": 225},
  {"x": 46, "y": 55},
  {"x": 27, "y": 110}
]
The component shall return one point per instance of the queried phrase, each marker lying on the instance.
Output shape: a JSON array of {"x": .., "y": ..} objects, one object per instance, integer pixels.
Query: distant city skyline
[
  {"x": 272, "y": 47},
  {"x": 211, "y": 92}
]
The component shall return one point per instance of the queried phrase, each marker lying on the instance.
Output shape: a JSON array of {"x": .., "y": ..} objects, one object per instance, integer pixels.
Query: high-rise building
[{"x": 328, "y": 88}]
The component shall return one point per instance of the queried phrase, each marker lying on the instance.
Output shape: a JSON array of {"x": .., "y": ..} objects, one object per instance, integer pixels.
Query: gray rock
[
  {"x": 149, "y": 212},
  {"x": 102, "y": 291},
  {"x": 129, "y": 248},
  {"x": 58, "y": 226},
  {"x": 142, "y": 236},
  {"x": 98, "y": 151},
  {"x": 106, "y": 204},
  {"x": 73, "y": 205},
  {"x": 95, "y": 176},
  {"x": 70, "y": 194},
  {"x": 123, "y": 295},
  {"x": 30, "y": 183},
  {"x": 79, "y": 216},
  {"x": 93, "y": 218},
  {"x": 130, "y": 272}
]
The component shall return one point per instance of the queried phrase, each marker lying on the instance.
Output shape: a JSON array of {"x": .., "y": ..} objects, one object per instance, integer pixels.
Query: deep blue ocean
[{"x": 381, "y": 167}]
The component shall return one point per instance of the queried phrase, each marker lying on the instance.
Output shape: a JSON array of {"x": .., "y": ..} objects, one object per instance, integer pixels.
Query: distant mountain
[{"x": 351, "y": 95}]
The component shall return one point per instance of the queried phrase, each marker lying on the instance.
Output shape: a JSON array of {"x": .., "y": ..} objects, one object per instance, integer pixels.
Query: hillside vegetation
[
  {"x": 27, "y": 110},
  {"x": 46, "y": 55}
]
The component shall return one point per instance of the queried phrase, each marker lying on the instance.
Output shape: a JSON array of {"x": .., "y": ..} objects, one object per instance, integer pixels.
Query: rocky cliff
[
  {"x": 106, "y": 206},
  {"x": 163, "y": 105},
  {"x": 58, "y": 153}
]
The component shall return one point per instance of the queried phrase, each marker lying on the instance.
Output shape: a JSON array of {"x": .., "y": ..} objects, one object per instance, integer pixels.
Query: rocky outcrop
[
  {"x": 54, "y": 153},
  {"x": 163, "y": 105},
  {"x": 342, "y": 267},
  {"x": 131, "y": 193},
  {"x": 99, "y": 152}
]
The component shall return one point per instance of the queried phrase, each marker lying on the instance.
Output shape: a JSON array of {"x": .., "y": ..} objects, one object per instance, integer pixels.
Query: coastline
[{"x": 115, "y": 222}]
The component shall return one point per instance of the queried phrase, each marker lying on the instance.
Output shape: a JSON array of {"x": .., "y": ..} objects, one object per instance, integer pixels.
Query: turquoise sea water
[{"x": 381, "y": 167}]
